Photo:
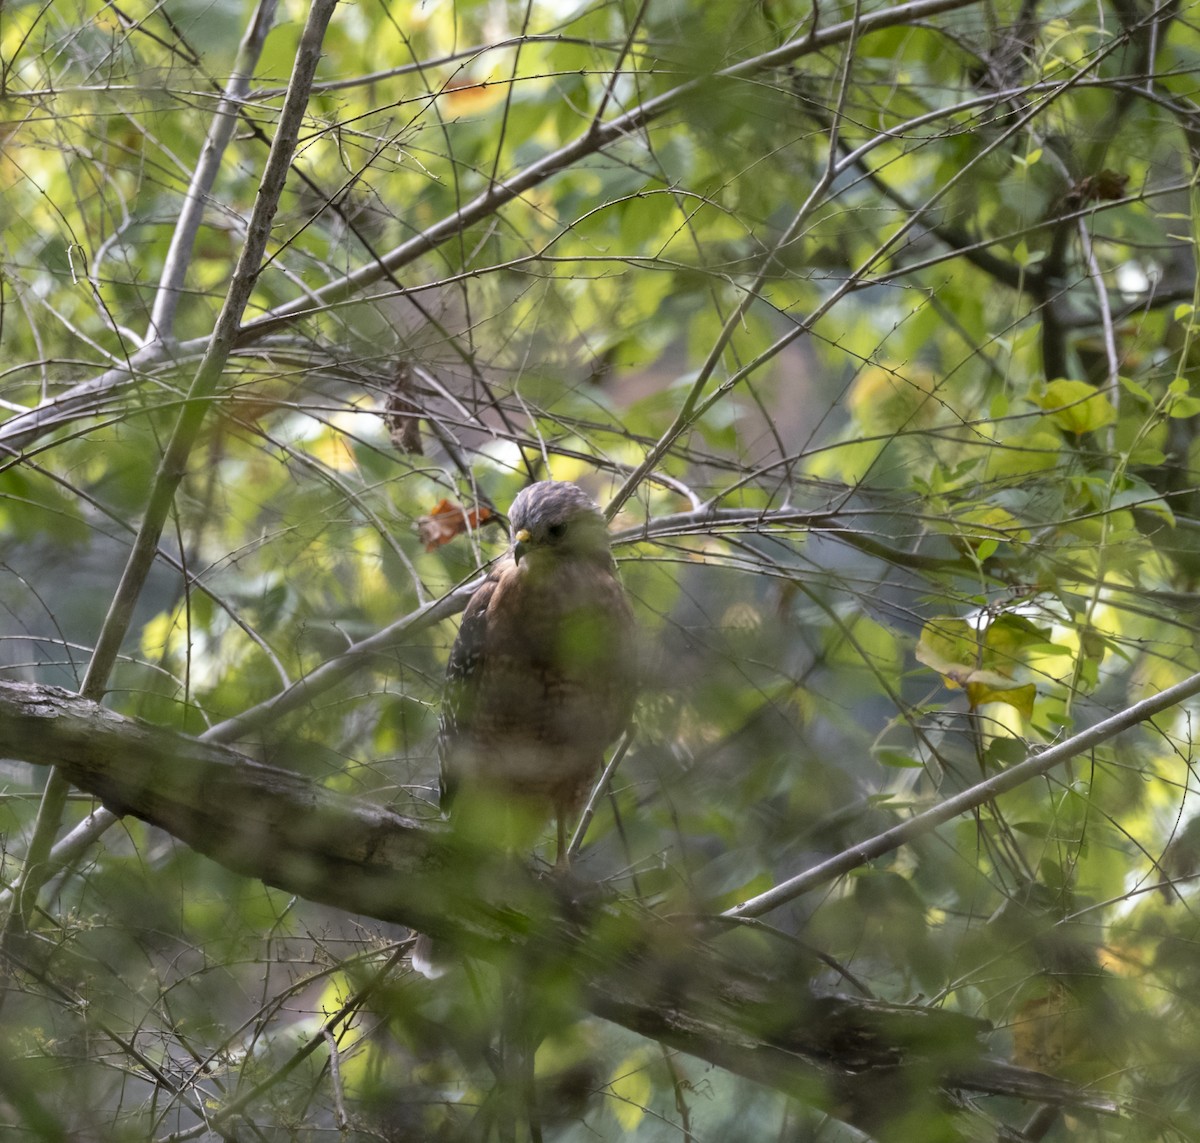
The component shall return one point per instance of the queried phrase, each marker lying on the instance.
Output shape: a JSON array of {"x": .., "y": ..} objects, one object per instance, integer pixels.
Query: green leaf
[
  {"x": 1024, "y": 257},
  {"x": 1129, "y": 384},
  {"x": 1184, "y": 407},
  {"x": 898, "y": 760},
  {"x": 1136, "y": 493},
  {"x": 1033, "y": 828}
]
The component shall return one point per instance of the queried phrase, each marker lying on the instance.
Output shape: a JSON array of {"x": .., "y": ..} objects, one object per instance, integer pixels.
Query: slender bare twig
[
  {"x": 848, "y": 283},
  {"x": 598, "y": 791},
  {"x": 220, "y": 132},
  {"x": 335, "y": 1075},
  {"x": 246, "y": 1099},
  {"x": 969, "y": 799},
  {"x": 334, "y": 670}
]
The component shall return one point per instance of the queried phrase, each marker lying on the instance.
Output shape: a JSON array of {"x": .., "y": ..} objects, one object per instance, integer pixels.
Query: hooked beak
[{"x": 520, "y": 539}]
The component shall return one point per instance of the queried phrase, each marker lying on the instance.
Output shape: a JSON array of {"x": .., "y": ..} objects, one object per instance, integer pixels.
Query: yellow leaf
[
  {"x": 987, "y": 523},
  {"x": 1075, "y": 406},
  {"x": 1020, "y": 698},
  {"x": 630, "y": 1083},
  {"x": 963, "y": 658},
  {"x": 950, "y": 647},
  {"x": 332, "y": 450}
]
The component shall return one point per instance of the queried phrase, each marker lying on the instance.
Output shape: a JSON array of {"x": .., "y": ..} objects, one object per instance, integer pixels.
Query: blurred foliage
[{"x": 933, "y": 283}]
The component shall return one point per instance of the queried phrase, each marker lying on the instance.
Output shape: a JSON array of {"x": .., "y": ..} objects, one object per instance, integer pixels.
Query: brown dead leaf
[
  {"x": 447, "y": 520},
  {"x": 402, "y": 414},
  {"x": 1104, "y": 186}
]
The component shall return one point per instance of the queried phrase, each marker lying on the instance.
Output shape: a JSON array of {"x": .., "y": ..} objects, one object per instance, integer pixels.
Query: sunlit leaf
[
  {"x": 631, "y": 1089},
  {"x": 1075, "y": 406}
]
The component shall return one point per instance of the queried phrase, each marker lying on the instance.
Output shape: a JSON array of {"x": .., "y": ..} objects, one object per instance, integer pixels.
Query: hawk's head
[{"x": 559, "y": 519}]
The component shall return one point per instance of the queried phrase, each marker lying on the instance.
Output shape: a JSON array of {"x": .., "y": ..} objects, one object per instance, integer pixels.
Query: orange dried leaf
[{"x": 447, "y": 520}]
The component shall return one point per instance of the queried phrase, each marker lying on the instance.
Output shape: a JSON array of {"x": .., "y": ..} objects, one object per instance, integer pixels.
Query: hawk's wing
[{"x": 462, "y": 678}]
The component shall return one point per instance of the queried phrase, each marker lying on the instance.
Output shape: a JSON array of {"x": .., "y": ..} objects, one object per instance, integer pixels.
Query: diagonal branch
[
  {"x": 220, "y": 132},
  {"x": 173, "y": 465},
  {"x": 1039, "y": 763}
]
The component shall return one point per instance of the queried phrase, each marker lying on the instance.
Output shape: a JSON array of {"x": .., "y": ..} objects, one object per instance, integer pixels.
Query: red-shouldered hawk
[
  {"x": 541, "y": 677},
  {"x": 540, "y": 680}
]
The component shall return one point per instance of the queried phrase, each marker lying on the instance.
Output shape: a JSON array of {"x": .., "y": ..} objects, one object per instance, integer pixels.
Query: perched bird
[
  {"x": 541, "y": 677},
  {"x": 540, "y": 680}
]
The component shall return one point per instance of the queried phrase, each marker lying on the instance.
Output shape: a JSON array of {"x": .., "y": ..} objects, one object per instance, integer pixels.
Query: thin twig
[
  {"x": 220, "y": 132},
  {"x": 969, "y": 799},
  {"x": 691, "y": 404},
  {"x": 335, "y": 1075},
  {"x": 598, "y": 790}
]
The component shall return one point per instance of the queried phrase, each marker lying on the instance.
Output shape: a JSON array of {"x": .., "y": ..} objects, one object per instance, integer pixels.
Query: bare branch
[
  {"x": 972, "y": 798},
  {"x": 221, "y": 128}
]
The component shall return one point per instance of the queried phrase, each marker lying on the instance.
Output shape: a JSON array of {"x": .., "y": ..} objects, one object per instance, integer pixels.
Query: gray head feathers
[{"x": 556, "y": 514}]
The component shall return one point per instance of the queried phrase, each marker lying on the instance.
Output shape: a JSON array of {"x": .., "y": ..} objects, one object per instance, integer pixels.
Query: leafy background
[{"x": 918, "y": 297}]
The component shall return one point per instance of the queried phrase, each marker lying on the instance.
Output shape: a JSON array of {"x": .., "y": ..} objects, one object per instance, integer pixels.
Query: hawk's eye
[{"x": 556, "y": 531}]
